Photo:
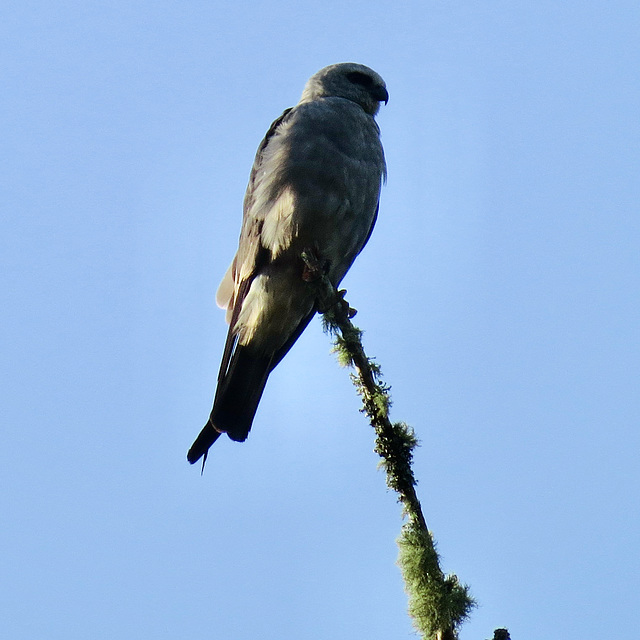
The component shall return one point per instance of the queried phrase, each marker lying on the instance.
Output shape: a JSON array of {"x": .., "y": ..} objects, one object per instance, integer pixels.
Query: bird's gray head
[{"x": 348, "y": 80}]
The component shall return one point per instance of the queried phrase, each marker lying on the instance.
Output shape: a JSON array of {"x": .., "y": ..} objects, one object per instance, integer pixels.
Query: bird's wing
[
  {"x": 237, "y": 280},
  {"x": 243, "y": 265}
]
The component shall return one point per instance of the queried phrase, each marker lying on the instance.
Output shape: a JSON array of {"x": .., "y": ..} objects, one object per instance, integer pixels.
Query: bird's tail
[
  {"x": 237, "y": 397},
  {"x": 201, "y": 445}
]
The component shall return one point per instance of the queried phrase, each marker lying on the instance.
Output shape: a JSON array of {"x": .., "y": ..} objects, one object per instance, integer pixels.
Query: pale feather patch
[
  {"x": 225, "y": 290},
  {"x": 277, "y": 229},
  {"x": 253, "y": 307},
  {"x": 272, "y": 309}
]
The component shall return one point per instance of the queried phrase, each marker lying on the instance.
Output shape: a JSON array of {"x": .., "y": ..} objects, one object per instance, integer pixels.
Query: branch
[{"x": 438, "y": 604}]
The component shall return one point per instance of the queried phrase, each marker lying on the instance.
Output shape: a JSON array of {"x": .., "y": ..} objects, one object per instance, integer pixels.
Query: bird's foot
[
  {"x": 349, "y": 311},
  {"x": 314, "y": 268}
]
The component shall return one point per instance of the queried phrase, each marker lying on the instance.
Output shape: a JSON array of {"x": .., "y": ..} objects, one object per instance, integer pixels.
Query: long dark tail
[
  {"x": 237, "y": 397},
  {"x": 205, "y": 439}
]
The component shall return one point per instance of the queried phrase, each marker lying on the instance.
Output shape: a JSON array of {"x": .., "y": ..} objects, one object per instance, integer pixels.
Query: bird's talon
[{"x": 313, "y": 269}]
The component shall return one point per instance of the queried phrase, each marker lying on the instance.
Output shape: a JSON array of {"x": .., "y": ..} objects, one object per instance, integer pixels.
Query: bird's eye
[{"x": 357, "y": 77}]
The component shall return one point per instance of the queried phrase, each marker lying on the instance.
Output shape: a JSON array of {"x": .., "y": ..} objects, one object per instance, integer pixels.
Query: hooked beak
[{"x": 381, "y": 95}]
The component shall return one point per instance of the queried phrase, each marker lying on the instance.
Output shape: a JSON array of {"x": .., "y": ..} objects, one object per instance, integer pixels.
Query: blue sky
[{"x": 499, "y": 292}]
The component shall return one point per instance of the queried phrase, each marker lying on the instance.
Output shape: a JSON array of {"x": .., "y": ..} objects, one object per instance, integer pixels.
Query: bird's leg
[{"x": 314, "y": 269}]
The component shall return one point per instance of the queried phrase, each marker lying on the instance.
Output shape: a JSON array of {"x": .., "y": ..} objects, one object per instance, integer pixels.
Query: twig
[{"x": 438, "y": 604}]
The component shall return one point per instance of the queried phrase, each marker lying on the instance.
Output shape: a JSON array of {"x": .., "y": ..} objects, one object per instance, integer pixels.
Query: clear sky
[{"x": 499, "y": 292}]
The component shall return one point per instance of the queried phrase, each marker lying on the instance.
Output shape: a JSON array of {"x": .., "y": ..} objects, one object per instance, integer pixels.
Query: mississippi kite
[{"x": 314, "y": 186}]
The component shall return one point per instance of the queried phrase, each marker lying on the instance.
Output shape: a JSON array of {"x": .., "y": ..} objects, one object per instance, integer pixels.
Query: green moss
[{"x": 438, "y": 604}]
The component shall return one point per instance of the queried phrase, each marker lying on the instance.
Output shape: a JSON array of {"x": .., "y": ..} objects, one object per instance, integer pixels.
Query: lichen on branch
[{"x": 438, "y": 604}]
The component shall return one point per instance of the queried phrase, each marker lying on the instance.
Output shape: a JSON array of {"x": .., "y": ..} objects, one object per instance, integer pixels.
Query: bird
[{"x": 314, "y": 187}]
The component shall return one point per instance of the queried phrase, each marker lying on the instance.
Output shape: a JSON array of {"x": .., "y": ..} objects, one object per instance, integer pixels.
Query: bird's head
[{"x": 351, "y": 81}]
